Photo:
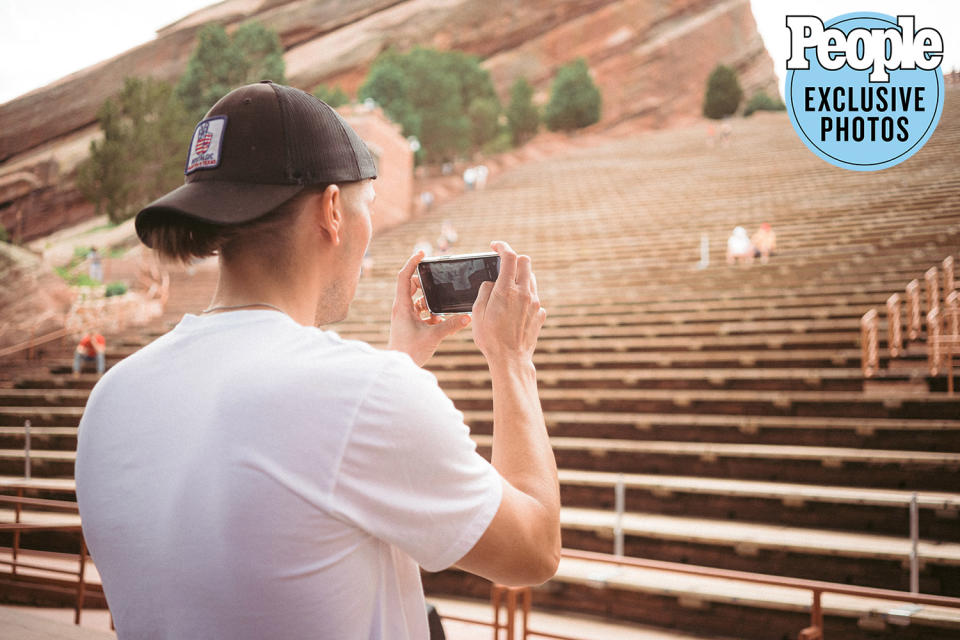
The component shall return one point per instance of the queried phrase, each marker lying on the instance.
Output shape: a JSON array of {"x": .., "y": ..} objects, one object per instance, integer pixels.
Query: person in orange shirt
[
  {"x": 764, "y": 242},
  {"x": 92, "y": 347}
]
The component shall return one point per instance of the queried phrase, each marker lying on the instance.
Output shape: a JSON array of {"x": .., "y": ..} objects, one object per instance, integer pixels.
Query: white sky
[{"x": 43, "y": 40}]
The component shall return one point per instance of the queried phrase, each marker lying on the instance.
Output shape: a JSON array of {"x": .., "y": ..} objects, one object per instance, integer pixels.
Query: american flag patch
[{"x": 206, "y": 144}]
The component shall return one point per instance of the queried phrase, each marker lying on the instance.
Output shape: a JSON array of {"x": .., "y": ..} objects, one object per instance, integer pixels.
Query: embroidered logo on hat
[{"x": 206, "y": 145}]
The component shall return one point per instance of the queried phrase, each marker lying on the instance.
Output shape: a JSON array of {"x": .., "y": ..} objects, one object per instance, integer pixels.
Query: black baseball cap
[{"x": 256, "y": 148}]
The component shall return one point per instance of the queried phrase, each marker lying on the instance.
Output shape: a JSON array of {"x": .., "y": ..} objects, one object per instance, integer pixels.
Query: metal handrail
[
  {"x": 18, "y": 527},
  {"x": 512, "y": 595},
  {"x": 34, "y": 342}
]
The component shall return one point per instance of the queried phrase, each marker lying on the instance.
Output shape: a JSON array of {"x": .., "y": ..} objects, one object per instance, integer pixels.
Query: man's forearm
[{"x": 521, "y": 446}]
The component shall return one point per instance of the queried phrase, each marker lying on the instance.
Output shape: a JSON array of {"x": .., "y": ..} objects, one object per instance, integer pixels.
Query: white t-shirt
[{"x": 244, "y": 476}]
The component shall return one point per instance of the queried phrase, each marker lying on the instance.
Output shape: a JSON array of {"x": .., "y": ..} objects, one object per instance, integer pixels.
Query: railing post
[
  {"x": 620, "y": 506},
  {"x": 951, "y": 328},
  {"x": 895, "y": 328},
  {"x": 948, "y": 283},
  {"x": 914, "y": 543},
  {"x": 26, "y": 450},
  {"x": 869, "y": 340},
  {"x": 933, "y": 289},
  {"x": 913, "y": 310},
  {"x": 934, "y": 346},
  {"x": 16, "y": 534},
  {"x": 510, "y": 596},
  {"x": 815, "y": 630},
  {"x": 80, "y": 576}
]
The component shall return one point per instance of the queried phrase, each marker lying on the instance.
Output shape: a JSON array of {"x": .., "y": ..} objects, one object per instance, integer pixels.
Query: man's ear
[{"x": 327, "y": 213}]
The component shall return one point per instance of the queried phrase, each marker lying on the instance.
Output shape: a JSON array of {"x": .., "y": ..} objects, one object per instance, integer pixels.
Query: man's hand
[
  {"x": 507, "y": 315},
  {"x": 408, "y": 332}
]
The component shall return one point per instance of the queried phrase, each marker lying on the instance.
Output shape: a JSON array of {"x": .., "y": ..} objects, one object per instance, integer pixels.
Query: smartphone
[{"x": 451, "y": 283}]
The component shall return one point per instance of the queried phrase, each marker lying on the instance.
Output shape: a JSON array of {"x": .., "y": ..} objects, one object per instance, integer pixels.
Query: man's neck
[{"x": 246, "y": 286}]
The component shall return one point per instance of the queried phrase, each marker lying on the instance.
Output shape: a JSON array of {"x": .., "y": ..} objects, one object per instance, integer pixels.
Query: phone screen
[{"x": 450, "y": 284}]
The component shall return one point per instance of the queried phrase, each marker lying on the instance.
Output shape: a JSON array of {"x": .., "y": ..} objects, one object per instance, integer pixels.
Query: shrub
[
  {"x": 574, "y": 98},
  {"x": 141, "y": 154},
  {"x": 335, "y": 97},
  {"x": 222, "y": 62},
  {"x": 762, "y": 102},
  {"x": 442, "y": 98},
  {"x": 523, "y": 118},
  {"x": 115, "y": 289},
  {"x": 723, "y": 93}
]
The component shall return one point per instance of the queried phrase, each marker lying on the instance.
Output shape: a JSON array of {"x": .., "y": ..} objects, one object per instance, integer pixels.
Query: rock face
[
  {"x": 650, "y": 59},
  {"x": 32, "y": 296}
]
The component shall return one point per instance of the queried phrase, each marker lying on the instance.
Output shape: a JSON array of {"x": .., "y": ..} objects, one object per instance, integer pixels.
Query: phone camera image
[{"x": 451, "y": 283}]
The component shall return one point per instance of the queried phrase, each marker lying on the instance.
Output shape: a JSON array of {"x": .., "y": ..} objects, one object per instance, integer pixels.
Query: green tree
[
  {"x": 484, "y": 114},
  {"x": 762, "y": 102},
  {"x": 4, "y": 236},
  {"x": 335, "y": 97},
  {"x": 443, "y": 98},
  {"x": 221, "y": 63},
  {"x": 723, "y": 93},
  {"x": 574, "y": 99},
  {"x": 523, "y": 119},
  {"x": 141, "y": 154}
]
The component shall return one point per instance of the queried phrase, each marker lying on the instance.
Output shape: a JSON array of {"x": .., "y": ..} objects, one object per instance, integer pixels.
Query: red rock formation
[
  {"x": 650, "y": 59},
  {"x": 32, "y": 297}
]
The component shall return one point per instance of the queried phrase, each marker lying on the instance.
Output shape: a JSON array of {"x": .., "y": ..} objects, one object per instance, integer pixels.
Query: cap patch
[{"x": 206, "y": 144}]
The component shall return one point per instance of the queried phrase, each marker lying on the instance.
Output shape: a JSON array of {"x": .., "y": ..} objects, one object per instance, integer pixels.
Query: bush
[
  {"x": 501, "y": 144},
  {"x": 115, "y": 289},
  {"x": 762, "y": 102},
  {"x": 723, "y": 93},
  {"x": 484, "y": 114},
  {"x": 221, "y": 63},
  {"x": 4, "y": 236},
  {"x": 574, "y": 98},
  {"x": 141, "y": 154},
  {"x": 523, "y": 118},
  {"x": 442, "y": 98},
  {"x": 335, "y": 97}
]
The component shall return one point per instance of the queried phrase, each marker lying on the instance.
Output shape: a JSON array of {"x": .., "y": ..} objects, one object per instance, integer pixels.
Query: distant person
[
  {"x": 426, "y": 201},
  {"x": 91, "y": 348},
  {"x": 448, "y": 231},
  {"x": 248, "y": 475},
  {"x": 96, "y": 265},
  {"x": 424, "y": 246},
  {"x": 739, "y": 247},
  {"x": 726, "y": 130},
  {"x": 469, "y": 178},
  {"x": 447, "y": 238},
  {"x": 482, "y": 171},
  {"x": 764, "y": 242},
  {"x": 367, "y": 263}
]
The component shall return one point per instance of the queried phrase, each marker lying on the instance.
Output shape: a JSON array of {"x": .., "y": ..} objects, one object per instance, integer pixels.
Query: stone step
[
  {"x": 870, "y": 560},
  {"x": 865, "y": 510},
  {"x": 829, "y": 431},
  {"x": 906, "y": 470}
]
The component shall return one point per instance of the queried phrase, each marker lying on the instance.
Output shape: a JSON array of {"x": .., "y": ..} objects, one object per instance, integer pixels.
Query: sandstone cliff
[
  {"x": 649, "y": 57},
  {"x": 32, "y": 297}
]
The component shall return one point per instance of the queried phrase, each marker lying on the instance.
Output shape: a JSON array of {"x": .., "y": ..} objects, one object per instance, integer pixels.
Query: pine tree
[
  {"x": 723, "y": 93},
  {"x": 574, "y": 98},
  {"x": 221, "y": 63},
  {"x": 443, "y": 98},
  {"x": 141, "y": 154},
  {"x": 523, "y": 118}
]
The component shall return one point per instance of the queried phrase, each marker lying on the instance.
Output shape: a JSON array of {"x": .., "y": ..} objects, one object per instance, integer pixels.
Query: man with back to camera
[{"x": 248, "y": 475}]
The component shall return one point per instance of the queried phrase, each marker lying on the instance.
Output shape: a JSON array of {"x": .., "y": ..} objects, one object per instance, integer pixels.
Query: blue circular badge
[{"x": 851, "y": 121}]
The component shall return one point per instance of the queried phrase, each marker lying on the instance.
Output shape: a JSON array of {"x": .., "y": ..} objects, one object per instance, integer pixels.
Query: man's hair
[{"x": 181, "y": 238}]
